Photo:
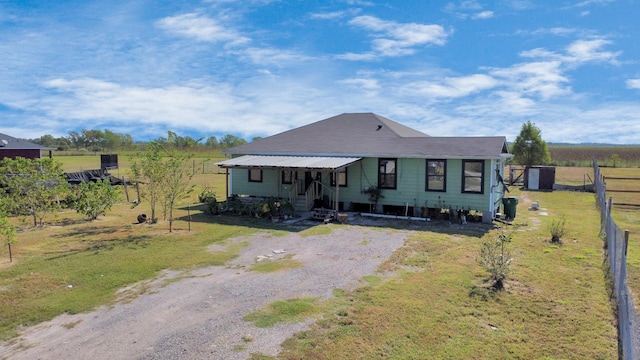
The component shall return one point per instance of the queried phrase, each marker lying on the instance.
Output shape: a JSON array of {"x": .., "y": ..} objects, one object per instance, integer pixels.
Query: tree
[
  {"x": 167, "y": 175},
  {"x": 34, "y": 186},
  {"x": 76, "y": 139},
  {"x": 7, "y": 233},
  {"x": 94, "y": 198},
  {"x": 529, "y": 148},
  {"x": 93, "y": 139},
  {"x": 496, "y": 259},
  {"x": 176, "y": 182},
  {"x": 229, "y": 141},
  {"x": 148, "y": 167},
  {"x": 212, "y": 142}
]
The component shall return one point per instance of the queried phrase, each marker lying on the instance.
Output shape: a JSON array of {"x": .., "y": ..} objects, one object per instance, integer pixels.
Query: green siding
[
  {"x": 411, "y": 176},
  {"x": 242, "y": 186}
]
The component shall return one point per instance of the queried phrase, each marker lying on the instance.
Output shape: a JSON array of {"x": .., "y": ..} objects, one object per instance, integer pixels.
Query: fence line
[{"x": 617, "y": 242}]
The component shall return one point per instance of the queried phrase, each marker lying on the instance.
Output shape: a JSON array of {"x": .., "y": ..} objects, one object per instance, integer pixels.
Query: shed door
[{"x": 534, "y": 179}]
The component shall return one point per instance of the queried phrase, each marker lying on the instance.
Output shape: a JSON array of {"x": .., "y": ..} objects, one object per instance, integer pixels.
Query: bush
[
  {"x": 208, "y": 197},
  {"x": 557, "y": 230},
  {"x": 496, "y": 259}
]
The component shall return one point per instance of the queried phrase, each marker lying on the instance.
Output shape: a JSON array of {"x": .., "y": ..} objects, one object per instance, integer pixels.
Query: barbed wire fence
[{"x": 617, "y": 241}]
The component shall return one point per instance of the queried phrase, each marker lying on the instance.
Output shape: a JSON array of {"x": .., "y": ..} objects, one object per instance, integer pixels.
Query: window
[
  {"x": 255, "y": 175},
  {"x": 473, "y": 176},
  {"x": 436, "y": 175},
  {"x": 342, "y": 178},
  {"x": 287, "y": 177},
  {"x": 387, "y": 173}
]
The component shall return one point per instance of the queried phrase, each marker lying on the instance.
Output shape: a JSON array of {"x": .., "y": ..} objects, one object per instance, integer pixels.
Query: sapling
[{"x": 496, "y": 259}]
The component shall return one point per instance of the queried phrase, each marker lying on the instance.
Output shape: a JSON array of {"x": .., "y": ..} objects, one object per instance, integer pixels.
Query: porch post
[
  {"x": 337, "y": 204},
  {"x": 279, "y": 182},
  {"x": 226, "y": 184}
]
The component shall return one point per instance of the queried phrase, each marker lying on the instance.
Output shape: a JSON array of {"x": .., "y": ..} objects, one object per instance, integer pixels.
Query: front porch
[{"x": 306, "y": 182}]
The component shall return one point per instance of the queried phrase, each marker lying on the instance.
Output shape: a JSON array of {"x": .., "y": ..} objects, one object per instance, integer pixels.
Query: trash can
[{"x": 510, "y": 204}]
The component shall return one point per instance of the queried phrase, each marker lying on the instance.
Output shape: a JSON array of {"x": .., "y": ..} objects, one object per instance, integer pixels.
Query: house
[
  {"x": 11, "y": 147},
  {"x": 341, "y": 161}
]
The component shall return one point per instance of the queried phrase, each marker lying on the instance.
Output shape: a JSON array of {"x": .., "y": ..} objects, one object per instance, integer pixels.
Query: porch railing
[{"x": 313, "y": 193}]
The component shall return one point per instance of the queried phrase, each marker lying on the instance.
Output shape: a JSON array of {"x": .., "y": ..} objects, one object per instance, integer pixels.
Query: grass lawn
[
  {"x": 554, "y": 303},
  {"x": 428, "y": 301},
  {"x": 627, "y": 217}
]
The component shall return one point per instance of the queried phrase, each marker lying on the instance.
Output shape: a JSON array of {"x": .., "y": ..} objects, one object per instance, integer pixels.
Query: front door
[{"x": 309, "y": 178}]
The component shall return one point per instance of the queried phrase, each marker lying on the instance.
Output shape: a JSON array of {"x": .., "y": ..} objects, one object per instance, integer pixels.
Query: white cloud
[
  {"x": 397, "y": 39},
  {"x": 543, "y": 79},
  {"x": 334, "y": 14},
  {"x": 590, "y": 50},
  {"x": 579, "y": 51},
  {"x": 452, "y": 87},
  {"x": 273, "y": 57},
  {"x": 590, "y": 2},
  {"x": 186, "y": 106},
  {"x": 468, "y": 9},
  {"x": 201, "y": 28},
  {"x": 366, "y": 85},
  {"x": 633, "y": 83},
  {"x": 483, "y": 15}
]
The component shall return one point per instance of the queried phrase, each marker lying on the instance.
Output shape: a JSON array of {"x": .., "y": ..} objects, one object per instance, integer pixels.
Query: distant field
[{"x": 619, "y": 156}]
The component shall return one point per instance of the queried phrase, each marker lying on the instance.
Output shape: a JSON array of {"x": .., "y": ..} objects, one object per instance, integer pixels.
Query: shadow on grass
[
  {"x": 199, "y": 214},
  {"x": 131, "y": 242}
]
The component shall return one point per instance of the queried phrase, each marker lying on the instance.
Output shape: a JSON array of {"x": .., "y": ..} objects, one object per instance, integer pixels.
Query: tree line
[{"x": 107, "y": 140}]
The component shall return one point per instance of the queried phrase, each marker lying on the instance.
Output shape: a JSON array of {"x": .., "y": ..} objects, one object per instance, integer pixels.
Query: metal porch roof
[{"x": 289, "y": 162}]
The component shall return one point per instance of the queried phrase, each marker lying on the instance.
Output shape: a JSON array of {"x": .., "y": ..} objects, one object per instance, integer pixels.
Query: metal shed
[{"x": 540, "y": 177}]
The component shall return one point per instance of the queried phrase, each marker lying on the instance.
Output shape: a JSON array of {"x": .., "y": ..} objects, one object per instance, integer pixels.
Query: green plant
[
  {"x": 93, "y": 199},
  {"x": 375, "y": 194},
  {"x": 290, "y": 310},
  {"x": 496, "y": 259},
  {"x": 7, "y": 233},
  {"x": 208, "y": 197},
  {"x": 206, "y": 194},
  {"x": 557, "y": 230}
]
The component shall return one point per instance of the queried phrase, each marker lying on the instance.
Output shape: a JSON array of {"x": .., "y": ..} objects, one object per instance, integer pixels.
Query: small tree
[
  {"x": 34, "y": 186},
  {"x": 496, "y": 259},
  {"x": 176, "y": 182},
  {"x": 375, "y": 194},
  {"x": 148, "y": 167},
  {"x": 615, "y": 158},
  {"x": 529, "y": 148},
  {"x": 94, "y": 198},
  {"x": 8, "y": 233}
]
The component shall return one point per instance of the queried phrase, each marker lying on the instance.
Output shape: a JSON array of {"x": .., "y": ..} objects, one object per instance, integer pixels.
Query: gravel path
[{"x": 200, "y": 316}]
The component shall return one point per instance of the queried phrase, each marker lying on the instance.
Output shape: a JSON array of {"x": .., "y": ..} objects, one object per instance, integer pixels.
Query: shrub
[
  {"x": 208, "y": 197},
  {"x": 557, "y": 230},
  {"x": 496, "y": 259}
]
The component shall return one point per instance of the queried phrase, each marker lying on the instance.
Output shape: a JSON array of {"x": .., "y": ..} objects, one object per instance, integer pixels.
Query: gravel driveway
[{"x": 200, "y": 316}]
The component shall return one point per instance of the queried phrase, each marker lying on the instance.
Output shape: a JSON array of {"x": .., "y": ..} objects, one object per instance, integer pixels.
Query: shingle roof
[
  {"x": 11, "y": 143},
  {"x": 370, "y": 135}
]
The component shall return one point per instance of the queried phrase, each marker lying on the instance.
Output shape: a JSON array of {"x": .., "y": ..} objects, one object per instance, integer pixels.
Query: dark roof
[
  {"x": 11, "y": 143},
  {"x": 370, "y": 135}
]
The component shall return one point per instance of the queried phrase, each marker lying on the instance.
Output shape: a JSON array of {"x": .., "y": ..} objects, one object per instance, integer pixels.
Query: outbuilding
[{"x": 11, "y": 147}]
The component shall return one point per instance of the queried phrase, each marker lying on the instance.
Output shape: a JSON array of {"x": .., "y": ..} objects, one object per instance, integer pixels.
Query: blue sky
[{"x": 259, "y": 67}]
